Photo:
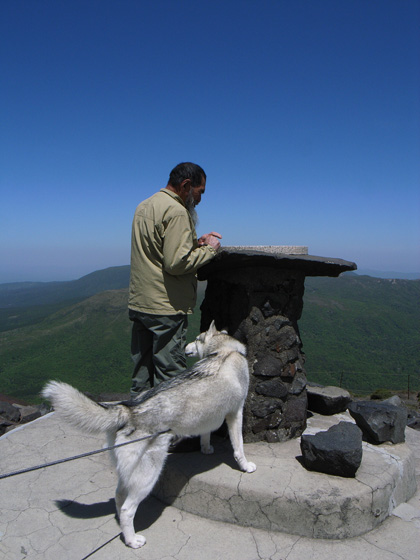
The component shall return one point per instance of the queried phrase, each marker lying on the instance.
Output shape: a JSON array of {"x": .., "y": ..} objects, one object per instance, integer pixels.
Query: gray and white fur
[{"x": 193, "y": 403}]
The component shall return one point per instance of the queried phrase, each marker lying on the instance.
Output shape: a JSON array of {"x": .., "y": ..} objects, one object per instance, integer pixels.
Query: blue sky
[{"x": 304, "y": 114}]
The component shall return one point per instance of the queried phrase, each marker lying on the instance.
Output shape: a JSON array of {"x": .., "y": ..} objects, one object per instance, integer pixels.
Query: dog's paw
[
  {"x": 245, "y": 465},
  {"x": 207, "y": 449},
  {"x": 136, "y": 542}
]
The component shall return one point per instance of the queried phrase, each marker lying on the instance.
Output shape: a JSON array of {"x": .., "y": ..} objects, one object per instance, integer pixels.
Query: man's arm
[{"x": 182, "y": 254}]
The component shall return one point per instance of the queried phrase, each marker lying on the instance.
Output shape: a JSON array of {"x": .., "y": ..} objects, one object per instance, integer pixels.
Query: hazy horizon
[{"x": 385, "y": 274}]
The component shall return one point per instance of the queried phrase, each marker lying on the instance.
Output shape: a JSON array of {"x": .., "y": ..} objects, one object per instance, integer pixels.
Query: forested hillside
[
  {"x": 26, "y": 303},
  {"x": 86, "y": 344},
  {"x": 363, "y": 330},
  {"x": 358, "y": 330}
]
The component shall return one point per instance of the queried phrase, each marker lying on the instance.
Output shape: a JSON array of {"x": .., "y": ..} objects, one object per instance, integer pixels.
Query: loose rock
[
  {"x": 380, "y": 422},
  {"x": 327, "y": 400},
  {"x": 338, "y": 451}
]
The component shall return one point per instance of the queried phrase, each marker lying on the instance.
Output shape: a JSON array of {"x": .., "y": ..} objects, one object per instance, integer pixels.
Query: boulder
[
  {"x": 13, "y": 415},
  {"x": 9, "y": 416},
  {"x": 338, "y": 451},
  {"x": 395, "y": 400},
  {"x": 9, "y": 412},
  {"x": 327, "y": 400},
  {"x": 31, "y": 413},
  {"x": 413, "y": 416},
  {"x": 380, "y": 422},
  {"x": 413, "y": 419}
]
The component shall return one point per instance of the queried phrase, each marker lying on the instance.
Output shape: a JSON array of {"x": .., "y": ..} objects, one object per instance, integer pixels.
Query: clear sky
[{"x": 305, "y": 114}]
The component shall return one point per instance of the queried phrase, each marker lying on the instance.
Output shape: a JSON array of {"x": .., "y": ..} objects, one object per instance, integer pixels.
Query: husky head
[{"x": 212, "y": 341}]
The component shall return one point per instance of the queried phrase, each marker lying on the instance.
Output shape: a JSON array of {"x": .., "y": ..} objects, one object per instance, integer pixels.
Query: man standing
[{"x": 165, "y": 255}]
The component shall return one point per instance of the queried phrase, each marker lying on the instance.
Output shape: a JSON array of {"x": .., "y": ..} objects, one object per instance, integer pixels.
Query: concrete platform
[
  {"x": 68, "y": 512},
  {"x": 283, "y": 496}
]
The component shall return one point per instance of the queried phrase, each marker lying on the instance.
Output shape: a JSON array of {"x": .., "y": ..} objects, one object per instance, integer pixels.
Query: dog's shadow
[
  {"x": 181, "y": 467},
  {"x": 86, "y": 511},
  {"x": 185, "y": 465},
  {"x": 149, "y": 511}
]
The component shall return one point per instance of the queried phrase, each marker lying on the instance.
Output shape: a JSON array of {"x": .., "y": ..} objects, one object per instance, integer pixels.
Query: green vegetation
[
  {"x": 17, "y": 317},
  {"x": 360, "y": 332},
  {"x": 86, "y": 344},
  {"x": 381, "y": 394}
]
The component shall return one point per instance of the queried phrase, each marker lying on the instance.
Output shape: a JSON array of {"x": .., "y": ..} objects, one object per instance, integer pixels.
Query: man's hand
[{"x": 211, "y": 239}]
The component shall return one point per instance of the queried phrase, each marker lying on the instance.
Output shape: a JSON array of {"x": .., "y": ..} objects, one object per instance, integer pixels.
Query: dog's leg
[
  {"x": 127, "y": 496},
  {"x": 120, "y": 496},
  {"x": 206, "y": 448},
  {"x": 139, "y": 471},
  {"x": 127, "y": 513},
  {"x": 121, "y": 491},
  {"x": 234, "y": 422}
]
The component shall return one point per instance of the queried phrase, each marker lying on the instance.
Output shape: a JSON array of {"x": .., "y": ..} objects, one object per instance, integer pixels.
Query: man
[{"x": 165, "y": 255}]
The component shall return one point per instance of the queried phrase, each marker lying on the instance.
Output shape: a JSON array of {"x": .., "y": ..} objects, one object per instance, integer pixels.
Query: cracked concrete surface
[
  {"x": 283, "y": 496},
  {"x": 67, "y": 511}
]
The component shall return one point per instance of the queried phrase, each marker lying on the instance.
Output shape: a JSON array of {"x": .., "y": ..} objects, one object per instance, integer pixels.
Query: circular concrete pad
[{"x": 281, "y": 495}]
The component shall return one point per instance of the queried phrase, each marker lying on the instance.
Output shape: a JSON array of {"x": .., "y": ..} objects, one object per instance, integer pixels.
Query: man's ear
[{"x": 186, "y": 185}]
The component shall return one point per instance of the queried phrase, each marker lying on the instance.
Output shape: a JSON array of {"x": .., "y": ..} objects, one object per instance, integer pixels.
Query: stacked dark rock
[{"x": 263, "y": 313}]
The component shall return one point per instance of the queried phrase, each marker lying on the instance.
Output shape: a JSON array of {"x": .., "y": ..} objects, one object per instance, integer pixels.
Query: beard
[{"x": 190, "y": 204}]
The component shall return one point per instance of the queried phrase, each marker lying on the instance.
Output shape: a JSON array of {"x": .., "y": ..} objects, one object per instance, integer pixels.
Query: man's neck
[{"x": 172, "y": 188}]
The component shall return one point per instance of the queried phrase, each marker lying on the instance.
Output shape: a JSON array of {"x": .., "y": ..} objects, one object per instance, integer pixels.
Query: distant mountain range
[
  {"x": 389, "y": 274},
  {"x": 360, "y": 331},
  {"x": 43, "y": 298},
  {"x": 22, "y": 294}
]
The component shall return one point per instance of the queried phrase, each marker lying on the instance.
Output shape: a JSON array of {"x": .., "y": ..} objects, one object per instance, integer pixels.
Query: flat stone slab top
[
  {"x": 272, "y": 249},
  {"x": 275, "y": 257}
]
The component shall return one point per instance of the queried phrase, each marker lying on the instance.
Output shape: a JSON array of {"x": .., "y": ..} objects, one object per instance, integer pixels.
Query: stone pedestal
[{"x": 256, "y": 294}]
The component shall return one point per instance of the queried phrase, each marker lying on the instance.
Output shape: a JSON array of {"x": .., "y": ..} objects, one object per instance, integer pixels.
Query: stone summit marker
[{"x": 256, "y": 293}]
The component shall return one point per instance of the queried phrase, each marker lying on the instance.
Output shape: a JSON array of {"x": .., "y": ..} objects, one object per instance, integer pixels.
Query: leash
[{"x": 88, "y": 454}]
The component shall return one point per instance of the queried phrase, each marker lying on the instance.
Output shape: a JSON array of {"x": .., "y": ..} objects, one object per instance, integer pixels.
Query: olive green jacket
[{"x": 164, "y": 257}]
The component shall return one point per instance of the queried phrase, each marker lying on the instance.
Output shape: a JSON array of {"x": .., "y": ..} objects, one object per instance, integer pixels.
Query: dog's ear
[
  {"x": 212, "y": 328},
  {"x": 224, "y": 331}
]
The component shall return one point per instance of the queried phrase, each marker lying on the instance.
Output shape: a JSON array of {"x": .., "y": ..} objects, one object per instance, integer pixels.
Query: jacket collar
[{"x": 173, "y": 195}]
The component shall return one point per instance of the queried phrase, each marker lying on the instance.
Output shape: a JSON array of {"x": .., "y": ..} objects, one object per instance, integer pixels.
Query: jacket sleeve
[{"x": 181, "y": 253}]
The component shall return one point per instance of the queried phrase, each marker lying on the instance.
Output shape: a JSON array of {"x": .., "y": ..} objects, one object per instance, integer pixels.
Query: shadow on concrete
[
  {"x": 186, "y": 465},
  {"x": 147, "y": 514},
  {"x": 180, "y": 468},
  {"x": 86, "y": 511}
]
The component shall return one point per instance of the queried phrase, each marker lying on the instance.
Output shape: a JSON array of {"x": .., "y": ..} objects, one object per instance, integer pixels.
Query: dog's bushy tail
[{"x": 81, "y": 411}]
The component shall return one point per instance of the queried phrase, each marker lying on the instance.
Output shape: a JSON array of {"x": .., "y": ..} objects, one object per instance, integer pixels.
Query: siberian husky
[{"x": 193, "y": 403}]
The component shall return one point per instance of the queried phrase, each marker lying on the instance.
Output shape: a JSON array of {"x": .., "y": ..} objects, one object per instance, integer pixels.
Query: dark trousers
[{"x": 157, "y": 348}]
